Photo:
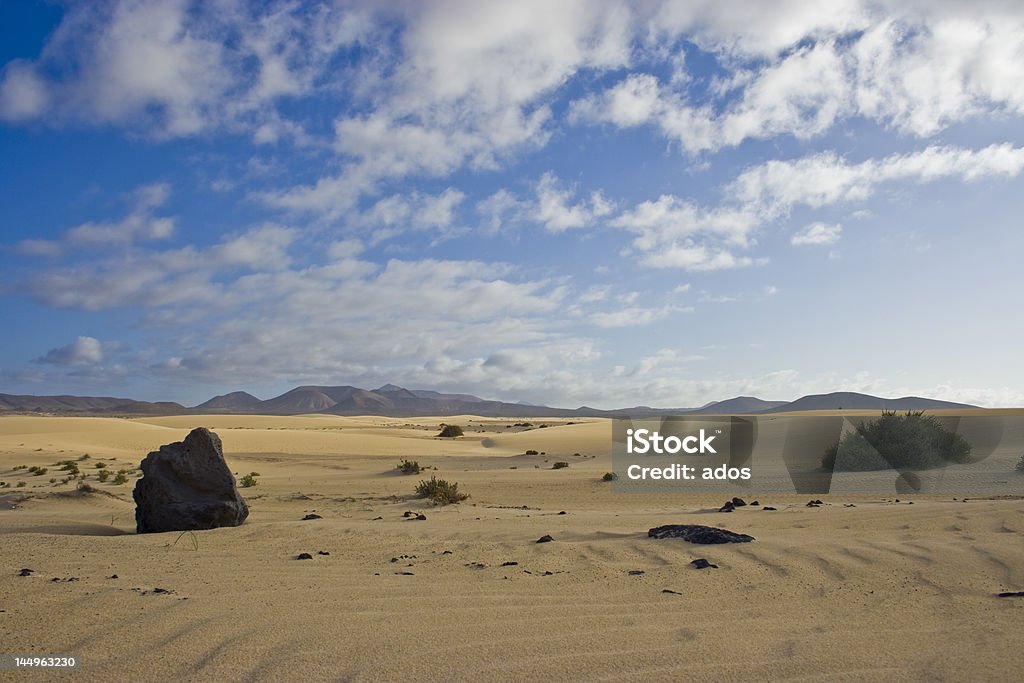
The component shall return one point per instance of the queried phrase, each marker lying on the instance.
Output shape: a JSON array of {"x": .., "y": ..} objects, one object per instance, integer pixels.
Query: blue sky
[{"x": 600, "y": 203}]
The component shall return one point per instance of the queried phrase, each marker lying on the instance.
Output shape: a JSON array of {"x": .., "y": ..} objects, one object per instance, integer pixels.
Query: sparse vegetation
[
  {"x": 37, "y": 471},
  {"x": 608, "y": 476},
  {"x": 248, "y": 480},
  {"x": 449, "y": 431},
  {"x": 409, "y": 467},
  {"x": 103, "y": 475},
  {"x": 121, "y": 478},
  {"x": 532, "y": 452},
  {"x": 20, "y": 484},
  {"x": 100, "y": 465},
  {"x": 440, "y": 492},
  {"x": 909, "y": 441},
  {"x": 560, "y": 465}
]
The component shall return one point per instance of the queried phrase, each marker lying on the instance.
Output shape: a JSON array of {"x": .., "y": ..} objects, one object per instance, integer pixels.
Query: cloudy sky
[{"x": 602, "y": 203}]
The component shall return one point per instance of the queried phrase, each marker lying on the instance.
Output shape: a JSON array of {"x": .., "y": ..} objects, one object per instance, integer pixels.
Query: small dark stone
[
  {"x": 509, "y": 564},
  {"x": 26, "y": 572},
  {"x": 769, "y": 508},
  {"x": 405, "y": 574},
  {"x": 696, "y": 533},
  {"x": 545, "y": 539},
  {"x": 311, "y": 516},
  {"x": 1010, "y": 594},
  {"x": 322, "y": 552},
  {"x": 670, "y": 592},
  {"x": 701, "y": 563},
  {"x": 303, "y": 556},
  {"x": 161, "y": 591},
  {"x": 421, "y": 517},
  {"x": 113, "y": 576},
  {"x": 739, "y": 502},
  {"x": 408, "y": 513},
  {"x": 562, "y": 512},
  {"x": 756, "y": 502},
  {"x": 447, "y": 552},
  {"x": 636, "y": 572},
  {"x": 814, "y": 503},
  {"x": 728, "y": 507},
  {"x": 376, "y": 518},
  {"x": 849, "y": 505}
]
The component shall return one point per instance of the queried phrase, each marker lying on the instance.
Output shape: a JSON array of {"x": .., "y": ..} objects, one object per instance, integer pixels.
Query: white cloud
[
  {"x": 82, "y": 351},
  {"x": 817, "y": 234},
  {"x": 556, "y": 213},
  {"x": 634, "y": 316}
]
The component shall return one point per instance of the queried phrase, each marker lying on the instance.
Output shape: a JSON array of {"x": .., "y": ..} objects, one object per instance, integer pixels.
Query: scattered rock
[
  {"x": 113, "y": 576},
  {"x": 420, "y": 517},
  {"x": 161, "y": 591},
  {"x": 701, "y": 563},
  {"x": 563, "y": 512},
  {"x": 322, "y": 552},
  {"x": 187, "y": 486},
  {"x": 447, "y": 552},
  {"x": 696, "y": 533},
  {"x": 769, "y": 508},
  {"x": 1010, "y": 594},
  {"x": 849, "y": 505},
  {"x": 739, "y": 502},
  {"x": 756, "y": 502},
  {"x": 26, "y": 572},
  {"x": 636, "y": 572},
  {"x": 510, "y": 564},
  {"x": 545, "y": 539},
  {"x": 814, "y": 503},
  {"x": 546, "y": 573},
  {"x": 303, "y": 556},
  {"x": 728, "y": 507},
  {"x": 311, "y": 516},
  {"x": 475, "y": 565},
  {"x": 670, "y": 592},
  {"x": 408, "y": 513},
  {"x": 405, "y": 574},
  {"x": 376, "y": 519}
]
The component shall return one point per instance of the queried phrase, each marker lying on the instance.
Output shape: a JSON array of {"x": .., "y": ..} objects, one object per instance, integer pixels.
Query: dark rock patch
[
  {"x": 728, "y": 507},
  {"x": 545, "y": 539},
  {"x": 701, "y": 563},
  {"x": 303, "y": 556},
  {"x": 769, "y": 508},
  {"x": 739, "y": 502},
  {"x": 187, "y": 486},
  {"x": 26, "y": 572},
  {"x": 1010, "y": 594},
  {"x": 670, "y": 592},
  {"x": 814, "y": 503},
  {"x": 636, "y": 572},
  {"x": 696, "y": 533},
  {"x": 509, "y": 564},
  {"x": 311, "y": 516}
]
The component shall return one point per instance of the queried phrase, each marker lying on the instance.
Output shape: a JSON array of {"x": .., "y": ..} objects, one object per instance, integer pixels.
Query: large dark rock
[
  {"x": 188, "y": 486},
  {"x": 695, "y": 533}
]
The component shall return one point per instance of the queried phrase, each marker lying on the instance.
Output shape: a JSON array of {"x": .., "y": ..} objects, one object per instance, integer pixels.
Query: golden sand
[{"x": 881, "y": 591}]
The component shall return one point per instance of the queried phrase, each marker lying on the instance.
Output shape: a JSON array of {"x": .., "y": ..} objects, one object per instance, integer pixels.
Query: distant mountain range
[{"x": 395, "y": 401}]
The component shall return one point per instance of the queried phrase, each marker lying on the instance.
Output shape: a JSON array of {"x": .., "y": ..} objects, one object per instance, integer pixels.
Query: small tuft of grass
[
  {"x": 560, "y": 465},
  {"x": 409, "y": 467},
  {"x": 532, "y": 452},
  {"x": 440, "y": 492},
  {"x": 100, "y": 465},
  {"x": 249, "y": 480},
  {"x": 103, "y": 475},
  {"x": 37, "y": 471},
  {"x": 121, "y": 478},
  {"x": 608, "y": 476}
]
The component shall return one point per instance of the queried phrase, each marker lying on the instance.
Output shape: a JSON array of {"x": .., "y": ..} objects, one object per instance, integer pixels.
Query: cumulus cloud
[
  {"x": 82, "y": 351},
  {"x": 817, "y": 234}
]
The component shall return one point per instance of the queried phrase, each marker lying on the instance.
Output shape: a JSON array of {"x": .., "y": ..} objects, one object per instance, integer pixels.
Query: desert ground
[{"x": 863, "y": 588}]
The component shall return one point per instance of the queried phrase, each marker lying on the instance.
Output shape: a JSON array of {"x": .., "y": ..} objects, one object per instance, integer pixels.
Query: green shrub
[
  {"x": 103, "y": 475},
  {"x": 451, "y": 431},
  {"x": 910, "y": 441},
  {"x": 121, "y": 478},
  {"x": 20, "y": 484},
  {"x": 409, "y": 467},
  {"x": 38, "y": 471},
  {"x": 560, "y": 465},
  {"x": 248, "y": 480},
  {"x": 608, "y": 476},
  {"x": 440, "y": 491},
  {"x": 100, "y": 465},
  {"x": 532, "y": 452}
]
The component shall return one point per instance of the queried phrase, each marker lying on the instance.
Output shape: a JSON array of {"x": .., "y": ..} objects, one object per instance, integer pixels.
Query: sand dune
[{"x": 880, "y": 591}]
